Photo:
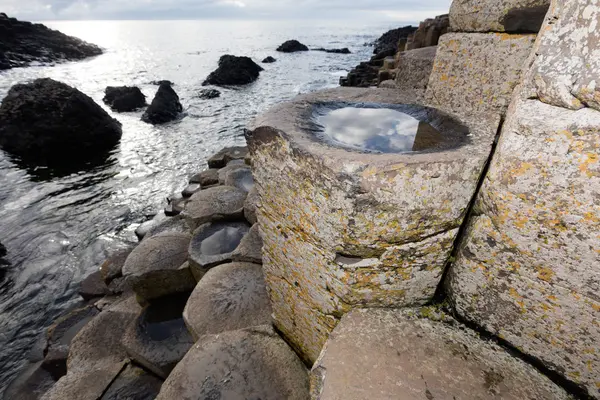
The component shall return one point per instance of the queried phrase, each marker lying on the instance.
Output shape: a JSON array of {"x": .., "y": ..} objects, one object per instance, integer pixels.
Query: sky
[{"x": 408, "y": 11}]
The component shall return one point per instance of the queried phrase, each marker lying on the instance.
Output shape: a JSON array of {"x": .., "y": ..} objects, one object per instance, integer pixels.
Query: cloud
[{"x": 399, "y": 10}]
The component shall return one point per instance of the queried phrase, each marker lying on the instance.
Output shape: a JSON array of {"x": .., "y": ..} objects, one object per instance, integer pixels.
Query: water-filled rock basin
[{"x": 361, "y": 195}]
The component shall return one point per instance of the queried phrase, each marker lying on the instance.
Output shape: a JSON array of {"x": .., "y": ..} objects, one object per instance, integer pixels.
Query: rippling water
[{"x": 58, "y": 230}]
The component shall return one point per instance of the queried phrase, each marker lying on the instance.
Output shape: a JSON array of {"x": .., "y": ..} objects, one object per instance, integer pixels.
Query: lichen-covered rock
[
  {"x": 390, "y": 354},
  {"x": 345, "y": 229},
  {"x": 214, "y": 204},
  {"x": 133, "y": 383},
  {"x": 512, "y": 16},
  {"x": 213, "y": 244},
  {"x": 158, "y": 338},
  {"x": 528, "y": 268},
  {"x": 414, "y": 68},
  {"x": 250, "y": 248},
  {"x": 154, "y": 268},
  {"x": 478, "y": 72},
  {"x": 566, "y": 72},
  {"x": 223, "y": 157},
  {"x": 250, "y": 206},
  {"x": 247, "y": 364},
  {"x": 229, "y": 297}
]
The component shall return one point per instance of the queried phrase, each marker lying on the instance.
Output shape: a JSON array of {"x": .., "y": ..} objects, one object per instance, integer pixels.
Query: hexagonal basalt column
[{"x": 346, "y": 228}]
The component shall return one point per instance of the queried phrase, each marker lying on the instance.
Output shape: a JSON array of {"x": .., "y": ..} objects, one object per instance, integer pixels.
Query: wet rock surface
[
  {"x": 191, "y": 189},
  {"x": 208, "y": 94},
  {"x": 154, "y": 267},
  {"x": 247, "y": 364},
  {"x": 213, "y": 244},
  {"x": 124, "y": 98},
  {"x": 93, "y": 287},
  {"x": 133, "y": 383},
  {"x": 292, "y": 46},
  {"x": 165, "y": 106},
  {"x": 387, "y": 354},
  {"x": 240, "y": 178},
  {"x": 206, "y": 178},
  {"x": 229, "y": 297},
  {"x": 345, "y": 50},
  {"x": 31, "y": 384},
  {"x": 111, "y": 269},
  {"x": 234, "y": 70},
  {"x": 213, "y": 204},
  {"x": 223, "y": 157},
  {"x": 269, "y": 60},
  {"x": 158, "y": 339},
  {"x": 48, "y": 122},
  {"x": 22, "y": 43}
]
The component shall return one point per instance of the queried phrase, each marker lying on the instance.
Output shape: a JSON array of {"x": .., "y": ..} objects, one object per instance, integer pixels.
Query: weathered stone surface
[
  {"x": 93, "y": 286},
  {"x": 240, "y": 178},
  {"x": 414, "y": 68},
  {"x": 512, "y": 16},
  {"x": 345, "y": 229},
  {"x": 565, "y": 73},
  {"x": 191, "y": 189},
  {"x": 248, "y": 364},
  {"x": 388, "y": 354},
  {"x": 176, "y": 224},
  {"x": 213, "y": 244},
  {"x": 250, "y": 248},
  {"x": 154, "y": 268},
  {"x": 216, "y": 203},
  {"x": 250, "y": 206},
  {"x": 84, "y": 384},
  {"x": 133, "y": 383},
  {"x": 142, "y": 230},
  {"x": 112, "y": 268},
  {"x": 158, "y": 339},
  {"x": 226, "y": 155},
  {"x": 206, "y": 178},
  {"x": 232, "y": 166},
  {"x": 229, "y": 297},
  {"x": 429, "y": 33},
  {"x": 478, "y": 72}
]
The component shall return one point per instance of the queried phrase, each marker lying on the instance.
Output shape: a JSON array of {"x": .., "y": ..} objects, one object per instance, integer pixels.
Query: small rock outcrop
[
  {"x": 164, "y": 108},
  {"x": 225, "y": 156},
  {"x": 345, "y": 50},
  {"x": 208, "y": 94},
  {"x": 429, "y": 32},
  {"x": 269, "y": 60},
  {"x": 47, "y": 122},
  {"x": 292, "y": 46},
  {"x": 124, "y": 98},
  {"x": 22, "y": 43},
  {"x": 389, "y": 40},
  {"x": 234, "y": 70}
]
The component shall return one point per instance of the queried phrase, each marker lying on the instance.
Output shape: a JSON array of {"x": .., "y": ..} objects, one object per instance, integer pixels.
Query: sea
[{"x": 59, "y": 228}]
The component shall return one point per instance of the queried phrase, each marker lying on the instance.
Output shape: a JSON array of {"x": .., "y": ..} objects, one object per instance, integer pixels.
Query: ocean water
[{"x": 59, "y": 229}]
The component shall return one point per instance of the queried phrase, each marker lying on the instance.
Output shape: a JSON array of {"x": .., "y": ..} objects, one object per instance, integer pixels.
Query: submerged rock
[
  {"x": 158, "y": 339},
  {"x": 246, "y": 364},
  {"x": 228, "y": 298},
  {"x": 292, "y": 46},
  {"x": 124, "y": 98},
  {"x": 164, "y": 108},
  {"x": 213, "y": 244},
  {"x": 345, "y": 50},
  {"x": 269, "y": 60},
  {"x": 23, "y": 43},
  {"x": 226, "y": 155},
  {"x": 234, "y": 70},
  {"x": 209, "y": 94},
  {"x": 46, "y": 122}
]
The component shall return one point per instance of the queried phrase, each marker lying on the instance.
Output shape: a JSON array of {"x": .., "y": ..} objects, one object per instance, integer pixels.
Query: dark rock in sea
[
  {"x": 3, "y": 251},
  {"x": 162, "y": 82},
  {"x": 50, "y": 123},
  {"x": 364, "y": 75},
  {"x": 208, "y": 94},
  {"x": 345, "y": 50},
  {"x": 164, "y": 108},
  {"x": 269, "y": 60},
  {"x": 234, "y": 70},
  {"x": 124, "y": 98},
  {"x": 22, "y": 43},
  {"x": 390, "y": 39},
  {"x": 292, "y": 46}
]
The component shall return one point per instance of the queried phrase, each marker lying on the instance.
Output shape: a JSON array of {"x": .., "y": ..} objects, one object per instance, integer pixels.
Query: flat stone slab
[
  {"x": 133, "y": 383},
  {"x": 154, "y": 268},
  {"x": 158, "y": 339},
  {"x": 512, "y": 16},
  {"x": 229, "y": 297},
  {"x": 223, "y": 157},
  {"x": 477, "y": 72},
  {"x": 176, "y": 224},
  {"x": 414, "y": 68},
  {"x": 250, "y": 248},
  {"x": 248, "y": 364},
  {"x": 213, "y": 204},
  {"x": 387, "y": 354},
  {"x": 213, "y": 244},
  {"x": 395, "y": 216}
]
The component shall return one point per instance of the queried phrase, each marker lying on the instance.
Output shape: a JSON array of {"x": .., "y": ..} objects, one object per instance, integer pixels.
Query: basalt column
[
  {"x": 529, "y": 269},
  {"x": 345, "y": 229}
]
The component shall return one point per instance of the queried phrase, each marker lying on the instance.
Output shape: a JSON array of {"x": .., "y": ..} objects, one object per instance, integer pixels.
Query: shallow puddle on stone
[
  {"x": 383, "y": 130},
  {"x": 224, "y": 240}
]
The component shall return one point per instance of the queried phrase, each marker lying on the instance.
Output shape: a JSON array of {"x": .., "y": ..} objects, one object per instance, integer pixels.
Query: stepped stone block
[
  {"x": 498, "y": 15},
  {"x": 478, "y": 72},
  {"x": 414, "y": 68},
  {"x": 344, "y": 229},
  {"x": 528, "y": 268},
  {"x": 389, "y": 354}
]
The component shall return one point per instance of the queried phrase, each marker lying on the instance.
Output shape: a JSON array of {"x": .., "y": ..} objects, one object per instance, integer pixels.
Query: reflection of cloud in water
[{"x": 378, "y": 129}]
